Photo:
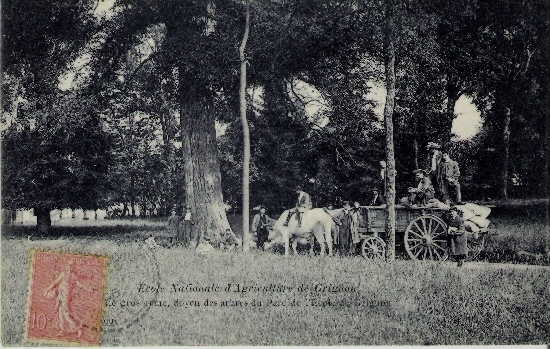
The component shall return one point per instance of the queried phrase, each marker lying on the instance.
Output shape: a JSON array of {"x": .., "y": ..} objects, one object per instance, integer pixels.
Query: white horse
[{"x": 315, "y": 223}]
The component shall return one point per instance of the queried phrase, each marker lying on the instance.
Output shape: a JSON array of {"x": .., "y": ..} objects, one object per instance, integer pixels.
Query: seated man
[
  {"x": 423, "y": 192},
  {"x": 227, "y": 241},
  {"x": 302, "y": 204},
  {"x": 376, "y": 199}
]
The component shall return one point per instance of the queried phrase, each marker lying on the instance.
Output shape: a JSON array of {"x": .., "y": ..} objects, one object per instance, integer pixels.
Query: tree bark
[
  {"x": 452, "y": 98},
  {"x": 388, "y": 123},
  {"x": 246, "y": 135},
  {"x": 505, "y": 154},
  {"x": 415, "y": 148},
  {"x": 43, "y": 220},
  {"x": 203, "y": 188}
]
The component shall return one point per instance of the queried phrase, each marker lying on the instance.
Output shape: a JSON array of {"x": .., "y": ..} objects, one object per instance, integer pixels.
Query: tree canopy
[{"x": 151, "y": 116}]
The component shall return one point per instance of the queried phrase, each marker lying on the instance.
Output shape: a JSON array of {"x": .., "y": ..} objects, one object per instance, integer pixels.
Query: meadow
[{"x": 326, "y": 301}]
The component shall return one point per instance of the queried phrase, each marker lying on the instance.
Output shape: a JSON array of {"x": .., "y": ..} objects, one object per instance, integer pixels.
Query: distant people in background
[
  {"x": 260, "y": 225},
  {"x": 447, "y": 179},
  {"x": 457, "y": 241},
  {"x": 376, "y": 199},
  {"x": 423, "y": 192},
  {"x": 303, "y": 203}
]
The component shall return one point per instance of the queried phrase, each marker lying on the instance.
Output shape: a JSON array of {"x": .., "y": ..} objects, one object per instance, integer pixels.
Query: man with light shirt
[{"x": 302, "y": 204}]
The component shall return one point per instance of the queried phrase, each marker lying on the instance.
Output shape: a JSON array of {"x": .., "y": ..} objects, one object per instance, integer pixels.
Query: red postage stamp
[{"x": 65, "y": 298}]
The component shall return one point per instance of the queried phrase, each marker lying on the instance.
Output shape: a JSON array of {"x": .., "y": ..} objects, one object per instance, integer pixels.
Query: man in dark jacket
[
  {"x": 424, "y": 191},
  {"x": 376, "y": 199},
  {"x": 260, "y": 225},
  {"x": 447, "y": 179},
  {"x": 457, "y": 240},
  {"x": 344, "y": 231}
]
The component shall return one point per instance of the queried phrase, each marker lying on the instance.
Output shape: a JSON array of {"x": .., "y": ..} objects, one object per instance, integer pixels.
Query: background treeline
[{"x": 133, "y": 75}]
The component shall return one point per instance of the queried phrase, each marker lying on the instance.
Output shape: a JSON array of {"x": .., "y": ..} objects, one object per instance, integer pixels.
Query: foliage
[
  {"x": 145, "y": 61},
  {"x": 57, "y": 157}
]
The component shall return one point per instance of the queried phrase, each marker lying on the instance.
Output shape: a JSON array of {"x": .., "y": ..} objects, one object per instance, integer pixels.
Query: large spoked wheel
[
  {"x": 475, "y": 246},
  {"x": 426, "y": 239},
  {"x": 373, "y": 247}
]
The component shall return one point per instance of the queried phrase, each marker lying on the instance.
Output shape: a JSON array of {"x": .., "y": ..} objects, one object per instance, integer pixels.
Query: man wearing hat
[
  {"x": 447, "y": 175},
  {"x": 424, "y": 191},
  {"x": 435, "y": 157},
  {"x": 376, "y": 199},
  {"x": 260, "y": 225},
  {"x": 302, "y": 204},
  {"x": 344, "y": 231},
  {"x": 457, "y": 241},
  {"x": 188, "y": 228}
]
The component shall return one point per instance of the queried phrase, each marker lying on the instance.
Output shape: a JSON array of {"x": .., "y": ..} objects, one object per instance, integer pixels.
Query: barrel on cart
[{"x": 424, "y": 233}]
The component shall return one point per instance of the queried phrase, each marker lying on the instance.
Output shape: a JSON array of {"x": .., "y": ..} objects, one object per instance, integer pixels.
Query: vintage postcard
[{"x": 275, "y": 172}]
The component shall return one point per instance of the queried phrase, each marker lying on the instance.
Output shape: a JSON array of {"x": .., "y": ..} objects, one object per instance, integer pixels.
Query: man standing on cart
[{"x": 447, "y": 178}]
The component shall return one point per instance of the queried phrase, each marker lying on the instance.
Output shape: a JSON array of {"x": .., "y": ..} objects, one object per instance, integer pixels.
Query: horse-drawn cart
[{"x": 424, "y": 233}]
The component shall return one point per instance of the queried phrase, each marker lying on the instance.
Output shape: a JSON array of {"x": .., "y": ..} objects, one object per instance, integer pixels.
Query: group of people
[
  {"x": 347, "y": 235},
  {"x": 439, "y": 181},
  {"x": 182, "y": 228},
  {"x": 436, "y": 183}
]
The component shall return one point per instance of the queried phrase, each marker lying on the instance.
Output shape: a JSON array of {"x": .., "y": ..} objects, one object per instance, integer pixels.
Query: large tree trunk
[
  {"x": 203, "y": 188},
  {"x": 43, "y": 220},
  {"x": 415, "y": 149},
  {"x": 168, "y": 154},
  {"x": 246, "y": 135},
  {"x": 452, "y": 98},
  {"x": 388, "y": 123}
]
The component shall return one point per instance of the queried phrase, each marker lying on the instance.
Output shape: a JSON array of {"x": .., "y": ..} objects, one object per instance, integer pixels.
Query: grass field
[{"x": 407, "y": 302}]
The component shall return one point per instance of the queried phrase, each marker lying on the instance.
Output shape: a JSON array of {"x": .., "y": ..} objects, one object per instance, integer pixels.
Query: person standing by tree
[
  {"x": 302, "y": 204},
  {"x": 447, "y": 178},
  {"x": 188, "y": 224},
  {"x": 260, "y": 225},
  {"x": 173, "y": 225}
]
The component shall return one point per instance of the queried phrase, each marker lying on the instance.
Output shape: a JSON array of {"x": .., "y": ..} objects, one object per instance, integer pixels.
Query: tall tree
[
  {"x": 246, "y": 132},
  {"x": 388, "y": 124}
]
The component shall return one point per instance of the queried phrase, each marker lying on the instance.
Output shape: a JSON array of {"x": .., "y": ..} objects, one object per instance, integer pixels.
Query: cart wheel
[
  {"x": 426, "y": 239},
  {"x": 373, "y": 247},
  {"x": 475, "y": 246}
]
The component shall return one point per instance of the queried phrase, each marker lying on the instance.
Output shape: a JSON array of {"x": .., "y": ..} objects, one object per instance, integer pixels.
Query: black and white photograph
[{"x": 275, "y": 172}]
